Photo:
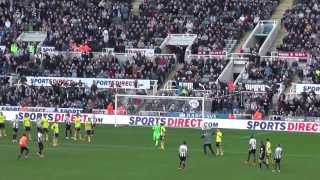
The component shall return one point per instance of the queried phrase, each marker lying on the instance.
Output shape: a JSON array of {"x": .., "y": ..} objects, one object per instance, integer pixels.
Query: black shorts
[
  {"x": 22, "y": 149},
  {"x": 94, "y": 125},
  {"x": 88, "y": 132},
  {"x": 162, "y": 137},
  {"x": 277, "y": 160},
  {"x": 261, "y": 158},
  {"x": 56, "y": 135},
  {"x": 2, "y": 125},
  {"x": 182, "y": 158},
  {"x": 218, "y": 144},
  {"x": 77, "y": 129},
  {"x": 45, "y": 130},
  {"x": 68, "y": 126},
  {"x": 40, "y": 145},
  {"x": 28, "y": 128},
  {"x": 252, "y": 151},
  {"x": 39, "y": 129},
  {"x": 15, "y": 130}
]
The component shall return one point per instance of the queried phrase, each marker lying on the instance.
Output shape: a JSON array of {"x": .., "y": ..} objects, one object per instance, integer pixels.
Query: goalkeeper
[{"x": 156, "y": 133}]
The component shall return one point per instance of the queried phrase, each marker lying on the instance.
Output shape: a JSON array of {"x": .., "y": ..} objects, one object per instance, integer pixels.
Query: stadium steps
[
  {"x": 135, "y": 6},
  {"x": 171, "y": 75},
  {"x": 277, "y": 14},
  {"x": 283, "y": 6},
  {"x": 241, "y": 42}
]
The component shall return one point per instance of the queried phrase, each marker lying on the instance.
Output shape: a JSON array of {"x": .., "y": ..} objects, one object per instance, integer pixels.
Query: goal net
[{"x": 159, "y": 106}]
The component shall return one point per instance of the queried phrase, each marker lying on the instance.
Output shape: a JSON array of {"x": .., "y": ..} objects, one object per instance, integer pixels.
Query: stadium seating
[
  {"x": 201, "y": 72},
  {"x": 227, "y": 19},
  {"x": 301, "y": 24},
  {"x": 68, "y": 23},
  {"x": 97, "y": 24}
]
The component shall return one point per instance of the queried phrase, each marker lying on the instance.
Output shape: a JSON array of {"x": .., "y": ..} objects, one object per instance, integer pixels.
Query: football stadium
[{"x": 159, "y": 89}]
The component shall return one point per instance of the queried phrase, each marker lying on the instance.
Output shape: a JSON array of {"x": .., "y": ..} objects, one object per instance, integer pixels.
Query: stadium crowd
[
  {"x": 100, "y": 24},
  {"x": 68, "y": 24},
  {"x": 268, "y": 70},
  {"x": 137, "y": 66},
  {"x": 201, "y": 72},
  {"x": 302, "y": 24},
  {"x": 213, "y": 21},
  {"x": 305, "y": 104}
]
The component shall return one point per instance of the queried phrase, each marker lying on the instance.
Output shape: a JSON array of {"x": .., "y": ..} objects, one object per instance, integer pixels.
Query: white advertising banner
[
  {"x": 47, "y": 49},
  {"x": 40, "y": 109},
  {"x": 307, "y": 88},
  {"x": 146, "y": 52},
  {"x": 101, "y": 82},
  {"x": 57, "y": 117},
  {"x": 177, "y": 122}
]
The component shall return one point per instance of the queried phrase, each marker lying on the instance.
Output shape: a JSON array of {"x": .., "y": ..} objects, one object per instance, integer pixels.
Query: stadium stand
[
  {"x": 228, "y": 20},
  {"x": 301, "y": 24},
  {"x": 69, "y": 24},
  {"x": 100, "y": 24},
  {"x": 302, "y": 27}
]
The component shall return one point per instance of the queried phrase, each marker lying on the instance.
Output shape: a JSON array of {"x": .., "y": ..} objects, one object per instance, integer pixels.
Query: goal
[{"x": 160, "y": 106}]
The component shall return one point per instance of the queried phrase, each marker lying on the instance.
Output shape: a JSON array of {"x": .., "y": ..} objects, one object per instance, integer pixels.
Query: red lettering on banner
[
  {"x": 170, "y": 122},
  {"x": 193, "y": 122},
  {"x": 199, "y": 122},
  {"x": 184, "y": 123},
  {"x": 301, "y": 126},
  {"x": 187, "y": 123},
  {"x": 309, "y": 127},
  {"x": 315, "y": 127},
  {"x": 301, "y": 55},
  {"x": 180, "y": 122},
  {"x": 84, "y": 117},
  {"x": 58, "y": 117},
  {"x": 290, "y": 126}
]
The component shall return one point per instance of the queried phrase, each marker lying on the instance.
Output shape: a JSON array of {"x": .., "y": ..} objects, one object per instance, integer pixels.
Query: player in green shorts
[{"x": 156, "y": 133}]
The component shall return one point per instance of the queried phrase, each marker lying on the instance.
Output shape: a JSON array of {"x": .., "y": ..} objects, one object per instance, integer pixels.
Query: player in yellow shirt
[
  {"x": 2, "y": 125},
  {"x": 77, "y": 126},
  {"x": 162, "y": 136},
  {"x": 88, "y": 128},
  {"x": 268, "y": 152},
  {"x": 55, "y": 130},
  {"x": 27, "y": 125},
  {"x": 45, "y": 127},
  {"x": 219, "y": 136}
]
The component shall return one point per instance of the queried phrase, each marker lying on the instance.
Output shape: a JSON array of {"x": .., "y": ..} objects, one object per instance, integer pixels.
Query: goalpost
[{"x": 165, "y": 106}]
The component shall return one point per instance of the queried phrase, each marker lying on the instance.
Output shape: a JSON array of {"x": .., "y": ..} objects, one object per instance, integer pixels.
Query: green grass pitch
[{"x": 128, "y": 154}]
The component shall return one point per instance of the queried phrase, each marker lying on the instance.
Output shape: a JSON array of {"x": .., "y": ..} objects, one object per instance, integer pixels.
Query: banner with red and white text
[
  {"x": 294, "y": 54},
  {"x": 100, "y": 82},
  {"x": 177, "y": 122}
]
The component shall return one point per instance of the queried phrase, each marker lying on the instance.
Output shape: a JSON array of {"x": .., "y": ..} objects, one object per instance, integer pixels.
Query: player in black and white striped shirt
[
  {"x": 40, "y": 143},
  {"x": 94, "y": 123},
  {"x": 277, "y": 158},
  {"x": 252, "y": 149},
  {"x": 15, "y": 128},
  {"x": 67, "y": 121},
  {"x": 183, "y": 154}
]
